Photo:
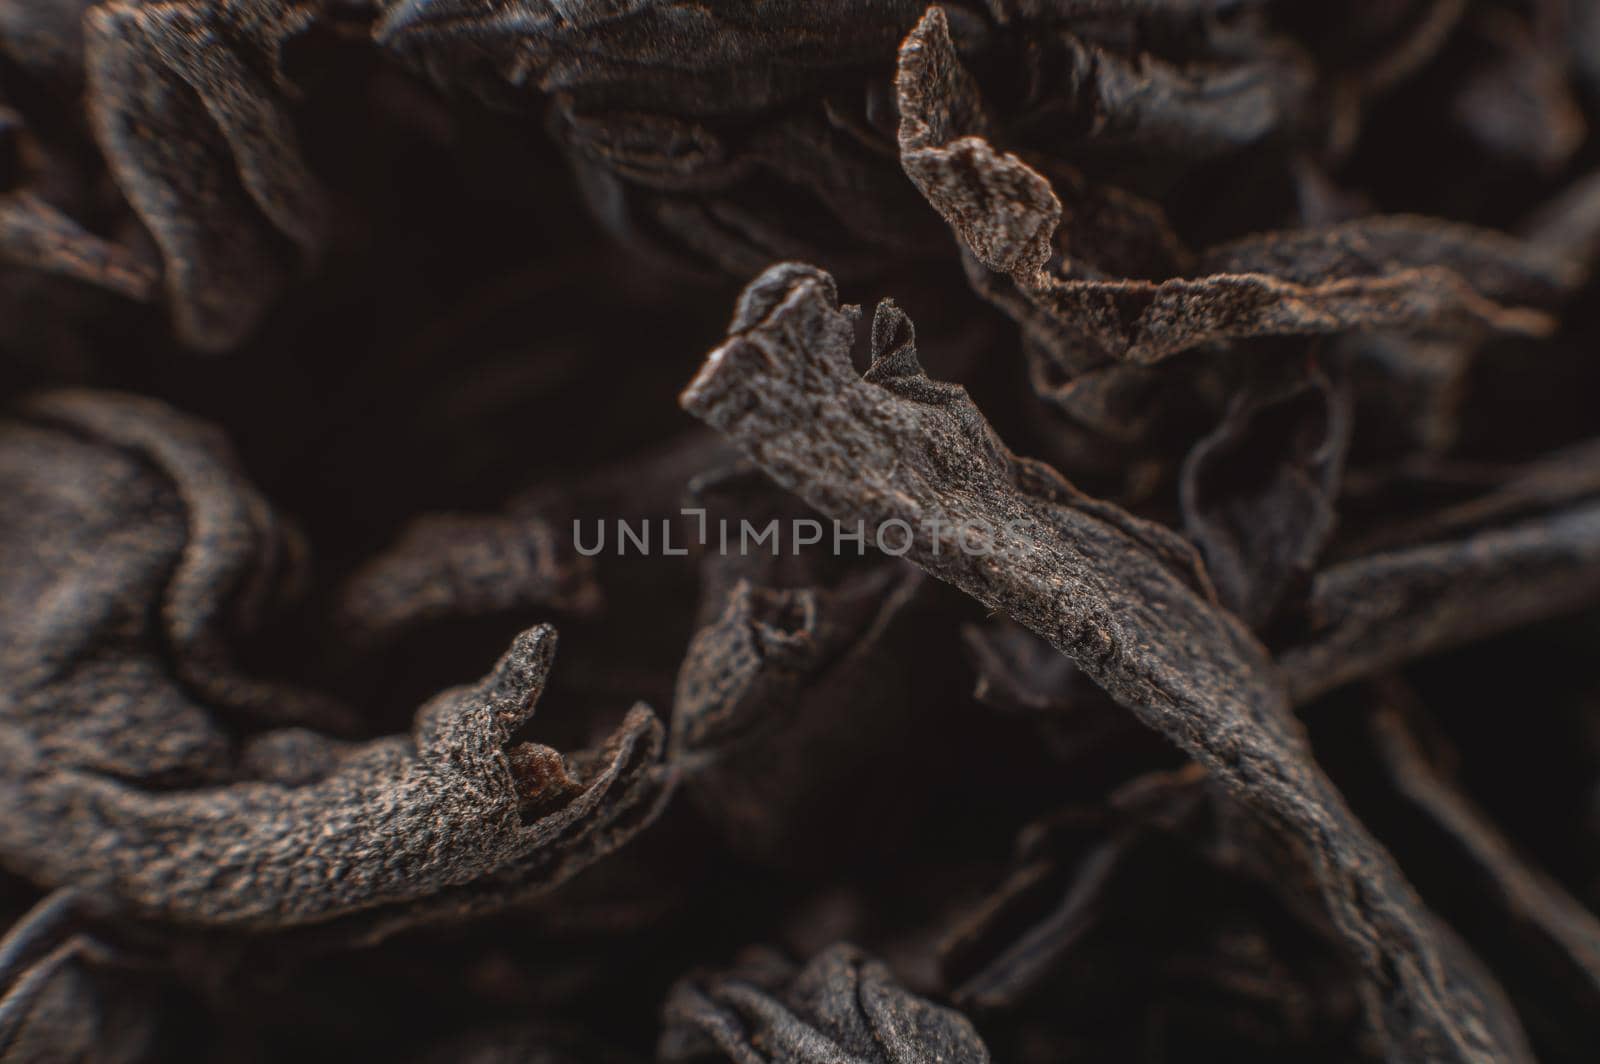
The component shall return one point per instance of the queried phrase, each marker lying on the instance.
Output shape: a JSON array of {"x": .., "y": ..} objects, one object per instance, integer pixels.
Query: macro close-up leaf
[{"x": 1162, "y": 630}]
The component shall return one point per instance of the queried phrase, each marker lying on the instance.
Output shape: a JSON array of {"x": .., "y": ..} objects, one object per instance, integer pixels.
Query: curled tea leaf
[
  {"x": 1008, "y": 214},
  {"x": 60, "y": 995},
  {"x": 1100, "y": 586},
  {"x": 36, "y": 236},
  {"x": 694, "y": 59},
  {"x": 1258, "y": 493},
  {"x": 1370, "y": 613},
  {"x": 784, "y": 702},
  {"x": 842, "y": 1006},
  {"x": 446, "y": 565},
  {"x": 144, "y": 800},
  {"x": 204, "y": 149}
]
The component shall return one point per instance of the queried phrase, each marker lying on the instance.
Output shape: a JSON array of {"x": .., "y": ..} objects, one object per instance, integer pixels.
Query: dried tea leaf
[
  {"x": 784, "y": 702},
  {"x": 1554, "y": 939},
  {"x": 1089, "y": 95},
  {"x": 132, "y": 550},
  {"x": 733, "y": 133},
  {"x": 526, "y": 555},
  {"x": 56, "y": 1000},
  {"x": 842, "y": 1006},
  {"x": 123, "y": 767},
  {"x": 1489, "y": 262},
  {"x": 387, "y": 825},
  {"x": 894, "y": 445},
  {"x": 455, "y": 565},
  {"x": 36, "y": 236},
  {"x": 1258, "y": 493},
  {"x": 1370, "y": 613},
  {"x": 691, "y": 59},
  {"x": 1007, "y": 213},
  {"x": 205, "y": 152}
]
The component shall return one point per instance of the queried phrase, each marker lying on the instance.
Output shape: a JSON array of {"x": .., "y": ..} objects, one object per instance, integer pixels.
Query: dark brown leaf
[
  {"x": 842, "y": 1006},
  {"x": 143, "y": 800},
  {"x": 1100, "y": 586},
  {"x": 1007, "y": 213}
]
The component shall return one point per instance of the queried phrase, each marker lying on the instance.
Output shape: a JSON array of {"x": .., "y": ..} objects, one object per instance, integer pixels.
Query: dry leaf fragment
[
  {"x": 205, "y": 152},
  {"x": 131, "y": 550},
  {"x": 1370, "y": 613},
  {"x": 841, "y": 1007},
  {"x": 1008, "y": 214},
  {"x": 894, "y": 445},
  {"x": 458, "y": 565},
  {"x": 1258, "y": 493},
  {"x": 36, "y": 236}
]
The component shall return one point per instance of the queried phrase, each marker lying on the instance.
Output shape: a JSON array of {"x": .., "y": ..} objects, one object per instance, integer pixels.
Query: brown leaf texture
[
  {"x": 456, "y": 565},
  {"x": 36, "y": 236},
  {"x": 1250, "y": 717},
  {"x": 1051, "y": 938},
  {"x": 842, "y": 1006},
  {"x": 1388, "y": 274},
  {"x": 894, "y": 445},
  {"x": 741, "y": 56},
  {"x": 203, "y": 148},
  {"x": 787, "y": 699},
  {"x": 1367, "y": 614},
  {"x": 125, "y": 773},
  {"x": 1258, "y": 493}
]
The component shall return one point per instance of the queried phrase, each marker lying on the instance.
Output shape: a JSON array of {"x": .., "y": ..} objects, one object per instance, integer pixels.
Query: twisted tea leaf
[
  {"x": 456, "y": 566},
  {"x": 453, "y": 565},
  {"x": 1550, "y": 950},
  {"x": 1258, "y": 493},
  {"x": 1008, "y": 214},
  {"x": 36, "y": 236},
  {"x": 58, "y": 1000},
  {"x": 141, "y": 801},
  {"x": 132, "y": 549},
  {"x": 784, "y": 702},
  {"x": 1092, "y": 97},
  {"x": 205, "y": 152},
  {"x": 1371, "y": 613},
  {"x": 1100, "y": 586},
  {"x": 692, "y": 59},
  {"x": 385, "y": 825},
  {"x": 842, "y": 1006}
]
